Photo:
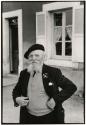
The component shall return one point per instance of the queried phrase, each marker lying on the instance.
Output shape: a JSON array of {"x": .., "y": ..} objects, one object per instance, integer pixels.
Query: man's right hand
[{"x": 22, "y": 101}]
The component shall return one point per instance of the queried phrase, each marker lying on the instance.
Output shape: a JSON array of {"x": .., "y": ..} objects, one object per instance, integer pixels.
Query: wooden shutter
[
  {"x": 79, "y": 20},
  {"x": 78, "y": 37},
  {"x": 40, "y": 28}
]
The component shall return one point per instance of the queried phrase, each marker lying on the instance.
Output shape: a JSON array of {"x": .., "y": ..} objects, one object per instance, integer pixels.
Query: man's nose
[{"x": 34, "y": 57}]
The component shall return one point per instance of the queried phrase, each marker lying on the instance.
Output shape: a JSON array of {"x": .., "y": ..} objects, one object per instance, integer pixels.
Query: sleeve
[
  {"x": 17, "y": 90},
  {"x": 67, "y": 88}
]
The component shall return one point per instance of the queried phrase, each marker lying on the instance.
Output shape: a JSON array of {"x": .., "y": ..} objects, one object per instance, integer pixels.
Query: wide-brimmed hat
[{"x": 32, "y": 48}]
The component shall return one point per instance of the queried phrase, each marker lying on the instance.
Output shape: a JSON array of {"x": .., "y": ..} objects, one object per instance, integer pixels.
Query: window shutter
[
  {"x": 79, "y": 20},
  {"x": 40, "y": 28},
  {"x": 78, "y": 37},
  {"x": 40, "y": 21}
]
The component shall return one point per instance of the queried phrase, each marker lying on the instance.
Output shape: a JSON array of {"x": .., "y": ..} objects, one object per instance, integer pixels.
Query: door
[
  {"x": 13, "y": 45},
  {"x": 62, "y": 34}
]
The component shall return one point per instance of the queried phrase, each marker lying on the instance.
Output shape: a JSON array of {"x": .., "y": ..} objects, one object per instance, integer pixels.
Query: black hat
[{"x": 32, "y": 48}]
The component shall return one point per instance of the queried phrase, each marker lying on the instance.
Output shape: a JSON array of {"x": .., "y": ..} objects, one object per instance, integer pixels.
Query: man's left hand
[{"x": 51, "y": 103}]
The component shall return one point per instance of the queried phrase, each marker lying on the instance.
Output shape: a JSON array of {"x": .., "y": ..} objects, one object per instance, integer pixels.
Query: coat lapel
[{"x": 46, "y": 81}]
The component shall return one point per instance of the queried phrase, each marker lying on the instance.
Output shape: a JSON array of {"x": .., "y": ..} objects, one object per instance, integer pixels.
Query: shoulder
[
  {"x": 51, "y": 69},
  {"x": 23, "y": 72}
]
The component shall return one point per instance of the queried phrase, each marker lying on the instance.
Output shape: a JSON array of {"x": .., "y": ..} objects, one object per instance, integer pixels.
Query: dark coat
[{"x": 49, "y": 74}]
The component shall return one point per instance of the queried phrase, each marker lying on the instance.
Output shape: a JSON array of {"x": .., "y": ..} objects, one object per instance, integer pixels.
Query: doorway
[
  {"x": 13, "y": 45},
  {"x": 12, "y": 42}
]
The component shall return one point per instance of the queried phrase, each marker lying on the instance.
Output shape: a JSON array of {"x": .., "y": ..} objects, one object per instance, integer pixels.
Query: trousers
[{"x": 51, "y": 118}]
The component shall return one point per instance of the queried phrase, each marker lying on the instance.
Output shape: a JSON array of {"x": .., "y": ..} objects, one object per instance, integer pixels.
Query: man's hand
[
  {"x": 51, "y": 103},
  {"x": 22, "y": 101}
]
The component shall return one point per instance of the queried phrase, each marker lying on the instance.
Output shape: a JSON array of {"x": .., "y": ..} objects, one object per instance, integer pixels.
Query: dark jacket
[{"x": 49, "y": 75}]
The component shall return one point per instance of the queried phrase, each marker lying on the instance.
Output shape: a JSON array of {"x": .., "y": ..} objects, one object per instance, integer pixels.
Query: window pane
[
  {"x": 68, "y": 33},
  {"x": 81, "y": 2},
  {"x": 68, "y": 48},
  {"x": 59, "y": 48},
  {"x": 58, "y": 34},
  {"x": 69, "y": 17},
  {"x": 58, "y": 19}
]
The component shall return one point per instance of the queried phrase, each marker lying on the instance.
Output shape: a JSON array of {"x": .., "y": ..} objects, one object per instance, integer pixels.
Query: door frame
[{"x": 5, "y": 34}]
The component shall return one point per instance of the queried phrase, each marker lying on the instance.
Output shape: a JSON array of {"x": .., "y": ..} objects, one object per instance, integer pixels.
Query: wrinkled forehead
[{"x": 39, "y": 52}]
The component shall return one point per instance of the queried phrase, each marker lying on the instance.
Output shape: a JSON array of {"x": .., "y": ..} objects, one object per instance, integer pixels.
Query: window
[{"x": 63, "y": 33}]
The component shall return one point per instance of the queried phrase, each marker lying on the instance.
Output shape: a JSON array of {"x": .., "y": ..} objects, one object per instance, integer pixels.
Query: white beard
[{"x": 34, "y": 67}]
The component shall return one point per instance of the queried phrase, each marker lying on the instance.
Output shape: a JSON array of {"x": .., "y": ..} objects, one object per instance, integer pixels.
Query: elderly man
[{"x": 37, "y": 91}]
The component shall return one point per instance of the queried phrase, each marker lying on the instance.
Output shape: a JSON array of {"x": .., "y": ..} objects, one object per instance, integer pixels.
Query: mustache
[{"x": 35, "y": 61}]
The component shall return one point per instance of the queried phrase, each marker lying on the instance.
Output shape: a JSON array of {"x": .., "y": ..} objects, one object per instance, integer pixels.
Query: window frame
[{"x": 63, "y": 56}]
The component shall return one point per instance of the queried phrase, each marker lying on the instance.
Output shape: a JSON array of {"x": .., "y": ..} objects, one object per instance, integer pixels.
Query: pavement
[{"x": 74, "y": 106}]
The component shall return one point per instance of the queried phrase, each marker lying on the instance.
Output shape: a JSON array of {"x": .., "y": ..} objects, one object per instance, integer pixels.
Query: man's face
[{"x": 36, "y": 58}]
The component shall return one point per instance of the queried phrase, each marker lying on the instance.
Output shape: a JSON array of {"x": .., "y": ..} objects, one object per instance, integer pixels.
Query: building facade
[{"x": 59, "y": 26}]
